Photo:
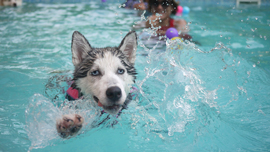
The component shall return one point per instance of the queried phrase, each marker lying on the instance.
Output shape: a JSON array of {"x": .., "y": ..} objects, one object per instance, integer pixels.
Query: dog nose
[
  {"x": 14, "y": 5},
  {"x": 114, "y": 93}
]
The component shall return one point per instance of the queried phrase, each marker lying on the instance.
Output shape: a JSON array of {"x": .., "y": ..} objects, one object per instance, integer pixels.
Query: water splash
[
  {"x": 41, "y": 117},
  {"x": 42, "y": 114},
  {"x": 187, "y": 85}
]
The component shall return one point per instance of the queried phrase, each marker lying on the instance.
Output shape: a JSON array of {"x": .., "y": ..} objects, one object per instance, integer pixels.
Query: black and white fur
[{"x": 103, "y": 74}]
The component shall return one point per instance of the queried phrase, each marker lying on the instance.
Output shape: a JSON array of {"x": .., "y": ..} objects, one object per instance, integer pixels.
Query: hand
[
  {"x": 139, "y": 6},
  {"x": 154, "y": 21}
]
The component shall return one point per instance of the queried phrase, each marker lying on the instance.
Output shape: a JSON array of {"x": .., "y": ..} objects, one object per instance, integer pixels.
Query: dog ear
[
  {"x": 79, "y": 47},
  {"x": 129, "y": 46}
]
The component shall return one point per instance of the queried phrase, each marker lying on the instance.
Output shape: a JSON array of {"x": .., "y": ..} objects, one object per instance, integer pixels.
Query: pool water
[{"x": 212, "y": 96}]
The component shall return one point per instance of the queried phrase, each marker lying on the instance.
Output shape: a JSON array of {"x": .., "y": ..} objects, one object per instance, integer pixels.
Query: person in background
[
  {"x": 161, "y": 18},
  {"x": 137, "y": 4},
  {"x": 141, "y": 5}
]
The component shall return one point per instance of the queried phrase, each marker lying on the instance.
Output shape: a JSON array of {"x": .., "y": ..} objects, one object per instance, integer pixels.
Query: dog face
[
  {"x": 12, "y": 3},
  {"x": 106, "y": 74}
]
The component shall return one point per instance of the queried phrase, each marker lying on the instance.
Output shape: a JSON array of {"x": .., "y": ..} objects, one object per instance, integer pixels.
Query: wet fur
[
  {"x": 69, "y": 125},
  {"x": 107, "y": 61},
  {"x": 110, "y": 63}
]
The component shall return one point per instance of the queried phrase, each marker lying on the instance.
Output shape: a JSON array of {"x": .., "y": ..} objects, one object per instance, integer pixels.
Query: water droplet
[
  {"x": 254, "y": 65},
  {"x": 189, "y": 23},
  {"x": 241, "y": 20},
  {"x": 122, "y": 5},
  {"x": 252, "y": 30},
  {"x": 258, "y": 62},
  {"x": 248, "y": 73},
  {"x": 231, "y": 13},
  {"x": 248, "y": 46},
  {"x": 220, "y": 35},
  {"x": 256, "y": 18}
]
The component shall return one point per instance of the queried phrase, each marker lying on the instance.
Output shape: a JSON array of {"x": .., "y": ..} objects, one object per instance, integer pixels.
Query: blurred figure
[
  {"x": 137, "y": 4},
  {"x": 141, "y": 5},
  {"x": 161, "y": 11},
  {"x": 14, "y": 3}
]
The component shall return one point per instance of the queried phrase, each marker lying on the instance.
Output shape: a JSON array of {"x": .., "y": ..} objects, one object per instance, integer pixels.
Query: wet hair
[{"x": 172, "y": 3}]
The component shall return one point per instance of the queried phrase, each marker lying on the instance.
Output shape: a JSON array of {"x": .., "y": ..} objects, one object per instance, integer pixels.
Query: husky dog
[
  {"x": 103, "y": 74},
  {"x": 10, "y": 3}
]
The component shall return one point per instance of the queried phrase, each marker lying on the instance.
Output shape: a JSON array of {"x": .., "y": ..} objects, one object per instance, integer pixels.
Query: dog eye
[
  {"x": 120, "y": 71},
  {"x": 95, "y": 73}
]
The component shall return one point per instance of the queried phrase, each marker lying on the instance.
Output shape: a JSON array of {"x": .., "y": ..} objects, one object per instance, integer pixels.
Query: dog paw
[{"x": 69, "y": 125}]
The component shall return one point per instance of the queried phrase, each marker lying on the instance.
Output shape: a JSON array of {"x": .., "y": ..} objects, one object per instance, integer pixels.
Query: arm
[
  {"x": 151, "y": 21},
  {"x": 181, "y": 25},
  {"x": 154, "y": 21},
  {"x": 140, "y": 6}
]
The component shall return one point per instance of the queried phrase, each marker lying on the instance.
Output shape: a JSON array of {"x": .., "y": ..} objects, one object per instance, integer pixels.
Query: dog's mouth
[
  {"x": 96, "y": 99},
  {"x": 113, "y": 107}
]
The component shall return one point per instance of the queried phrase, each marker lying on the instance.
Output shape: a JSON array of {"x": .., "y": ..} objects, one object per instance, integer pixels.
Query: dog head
[{"x": 106, "y": 74}]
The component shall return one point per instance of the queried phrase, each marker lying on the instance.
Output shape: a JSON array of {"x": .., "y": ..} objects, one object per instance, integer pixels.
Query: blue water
[{"x": 212, "y": 96}]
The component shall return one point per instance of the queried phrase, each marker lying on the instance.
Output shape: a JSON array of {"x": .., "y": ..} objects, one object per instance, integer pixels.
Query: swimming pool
[{"x": 208, "y": 97}]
